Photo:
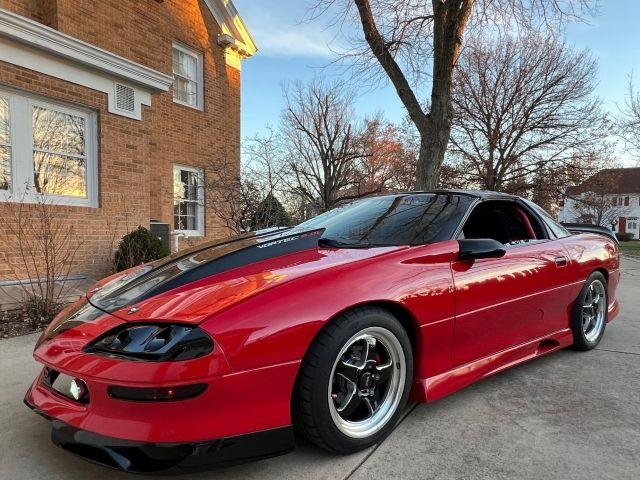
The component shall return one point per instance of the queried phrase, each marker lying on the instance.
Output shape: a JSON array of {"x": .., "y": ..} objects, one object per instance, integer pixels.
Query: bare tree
[
  {"x": 264, "y": 171},
  {"x": 629, "y": 120},
  {"x": 546, "y": 187},
  {"x": 324, "y": 144},
  {"x": 390, "y": 160},
  {"x": 228, "y": 196},
  {"x": 46, "y": 245},
  {"x": 524, "y": 107},
  {"x": 234, "y": 194},
  {"x": 598, "y": 209},
  {"x": 402, "y": 38}
]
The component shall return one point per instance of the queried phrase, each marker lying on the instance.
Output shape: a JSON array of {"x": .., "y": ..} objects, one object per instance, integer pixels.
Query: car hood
[{"x": 195, "y": 285}]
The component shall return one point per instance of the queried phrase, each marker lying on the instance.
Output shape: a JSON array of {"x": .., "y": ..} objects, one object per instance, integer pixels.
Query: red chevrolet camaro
[{"x": 215, "y": 355}]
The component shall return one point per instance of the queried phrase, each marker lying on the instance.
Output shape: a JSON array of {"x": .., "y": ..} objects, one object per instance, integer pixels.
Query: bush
[
  {"x": 39, "y": 311},
  {"x": 624, "y": 237},
  {"x": 269, "y": 213},
  {"x": 138, "y": 247}
]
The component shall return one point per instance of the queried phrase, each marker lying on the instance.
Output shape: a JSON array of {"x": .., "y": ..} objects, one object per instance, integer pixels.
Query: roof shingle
[{"x": 612, "y": 181}]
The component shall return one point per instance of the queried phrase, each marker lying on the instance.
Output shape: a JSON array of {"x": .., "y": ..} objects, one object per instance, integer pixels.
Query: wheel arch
[
  {"x": 604, "y": 272},
  {"x": 399, "y": 311}
]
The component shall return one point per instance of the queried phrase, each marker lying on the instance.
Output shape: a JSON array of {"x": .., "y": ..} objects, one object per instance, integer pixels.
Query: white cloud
[
  {"x": 294, "y": 42},
  {"x": 279, "y": 31}
]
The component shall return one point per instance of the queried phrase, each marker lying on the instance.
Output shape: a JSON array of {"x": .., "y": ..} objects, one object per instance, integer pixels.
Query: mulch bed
[{"x": 15, "y": 322}]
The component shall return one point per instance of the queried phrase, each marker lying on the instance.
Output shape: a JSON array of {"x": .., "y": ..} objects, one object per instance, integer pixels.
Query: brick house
[
  {"x": 113, "y": 110},
  {"x": 611, "y": 197}
]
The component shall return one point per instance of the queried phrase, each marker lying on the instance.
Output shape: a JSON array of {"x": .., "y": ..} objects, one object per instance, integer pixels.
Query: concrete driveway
[{"x": 568, "y": 415}]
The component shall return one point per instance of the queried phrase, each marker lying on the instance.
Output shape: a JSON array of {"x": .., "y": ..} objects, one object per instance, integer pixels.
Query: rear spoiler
[{"x": 587, "y": 228}]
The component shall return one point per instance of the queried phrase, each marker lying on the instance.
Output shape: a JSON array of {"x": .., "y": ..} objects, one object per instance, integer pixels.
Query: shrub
[
  {"x": 624, "y": 237},
  {"x": 269, "y": 213},
  {"x": 39, "y": 310},
  {"x": 45, "y": 245},
  {"x": 137, "y": 247}
]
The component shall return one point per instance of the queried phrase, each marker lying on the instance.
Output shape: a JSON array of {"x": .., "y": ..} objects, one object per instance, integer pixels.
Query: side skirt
[{"x": 436, "y": 387}]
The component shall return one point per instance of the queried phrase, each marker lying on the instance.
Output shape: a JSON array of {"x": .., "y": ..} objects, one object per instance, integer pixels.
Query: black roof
[{"x": 482, "y": 194}]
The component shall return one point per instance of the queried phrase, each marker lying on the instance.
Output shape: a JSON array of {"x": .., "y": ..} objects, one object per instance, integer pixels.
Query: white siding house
[{"x": 610, "y": 198}]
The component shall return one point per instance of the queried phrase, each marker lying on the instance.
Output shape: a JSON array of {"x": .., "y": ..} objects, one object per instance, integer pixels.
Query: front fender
[{"x": 278, "y": 326}]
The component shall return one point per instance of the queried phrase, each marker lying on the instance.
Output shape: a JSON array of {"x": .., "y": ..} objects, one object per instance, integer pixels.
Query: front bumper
[
  {"x": 148, "y": 457},
  {"x": 216, "y": 427}
]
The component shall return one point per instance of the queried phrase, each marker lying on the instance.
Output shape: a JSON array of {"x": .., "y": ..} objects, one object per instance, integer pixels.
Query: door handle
[{"x": 561, "y": 261}]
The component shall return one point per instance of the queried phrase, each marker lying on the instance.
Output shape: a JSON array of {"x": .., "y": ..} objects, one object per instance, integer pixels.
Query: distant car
[{"x": 214, "y": 356}]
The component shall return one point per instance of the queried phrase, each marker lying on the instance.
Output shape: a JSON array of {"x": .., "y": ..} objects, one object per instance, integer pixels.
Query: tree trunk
[
  {"x": 433, "y": 146},
  {"x": 450, "y": 20}
]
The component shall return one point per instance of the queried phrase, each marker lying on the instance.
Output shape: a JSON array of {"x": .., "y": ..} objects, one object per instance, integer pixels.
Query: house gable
[{"x": 235, "y": 36}]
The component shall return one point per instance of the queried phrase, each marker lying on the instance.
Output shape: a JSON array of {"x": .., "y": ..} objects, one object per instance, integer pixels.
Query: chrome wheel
[
  {"x": 367, "y": 382},
  {"x": 594, "y": 309}
]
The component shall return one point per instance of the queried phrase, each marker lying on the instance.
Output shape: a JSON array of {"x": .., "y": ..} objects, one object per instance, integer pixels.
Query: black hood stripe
[
  {"x": 203, "y": 263},
  {"x": 239, "y": 258},
  {"x": 217, "y": 243}
]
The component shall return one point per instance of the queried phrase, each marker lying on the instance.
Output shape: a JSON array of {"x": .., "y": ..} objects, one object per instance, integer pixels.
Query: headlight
[{"x": 154, "y": 343}]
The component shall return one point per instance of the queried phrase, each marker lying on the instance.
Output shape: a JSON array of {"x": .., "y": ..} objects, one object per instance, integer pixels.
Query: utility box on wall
[{"x": 162, "y": 231}]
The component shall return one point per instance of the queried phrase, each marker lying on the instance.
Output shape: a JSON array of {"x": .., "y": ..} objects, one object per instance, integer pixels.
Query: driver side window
[{"x": 506, "y": 222}]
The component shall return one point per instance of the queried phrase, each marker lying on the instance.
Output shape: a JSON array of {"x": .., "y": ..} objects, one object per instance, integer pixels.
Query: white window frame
[
  {"x": 21, "y": 188},
  {"x": 9, "y": 143},
  {"x": 199, "y": 231},
  {"x": 199, "y": 75}
]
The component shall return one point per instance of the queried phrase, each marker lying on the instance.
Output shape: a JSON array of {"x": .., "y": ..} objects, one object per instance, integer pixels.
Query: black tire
[
  {"x": 311, "y": 411},
  {"x": 580, "y": 340}
]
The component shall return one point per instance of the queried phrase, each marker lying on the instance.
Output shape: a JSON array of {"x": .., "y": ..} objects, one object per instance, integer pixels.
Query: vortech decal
[{"x": 276, "y": 242}]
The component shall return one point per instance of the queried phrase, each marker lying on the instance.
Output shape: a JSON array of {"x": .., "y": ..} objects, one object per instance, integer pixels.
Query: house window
[
  {"x": 188, "y": 73},
  {"x": 47, "y": 151},
  {"x": 188, "y": 202}
]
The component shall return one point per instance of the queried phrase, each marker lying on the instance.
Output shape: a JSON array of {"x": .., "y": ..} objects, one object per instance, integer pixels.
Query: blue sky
[{"x": 291, "y": 50}]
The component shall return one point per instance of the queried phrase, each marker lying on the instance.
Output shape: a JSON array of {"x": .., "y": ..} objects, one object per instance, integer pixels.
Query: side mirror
[{"x": 473, "y": 248}]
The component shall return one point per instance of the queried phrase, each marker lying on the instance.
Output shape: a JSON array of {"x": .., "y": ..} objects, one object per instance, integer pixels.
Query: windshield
[{"x": 411, "y": 219}]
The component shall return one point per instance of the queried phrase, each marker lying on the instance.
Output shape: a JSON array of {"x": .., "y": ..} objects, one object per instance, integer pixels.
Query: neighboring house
[
  {"x": 114, "y": 109},
  {"x": 610, "y": 198}
]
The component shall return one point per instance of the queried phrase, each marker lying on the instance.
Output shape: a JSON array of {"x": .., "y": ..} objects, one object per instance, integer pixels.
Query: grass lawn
[{"x": 630, "y": 248}]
